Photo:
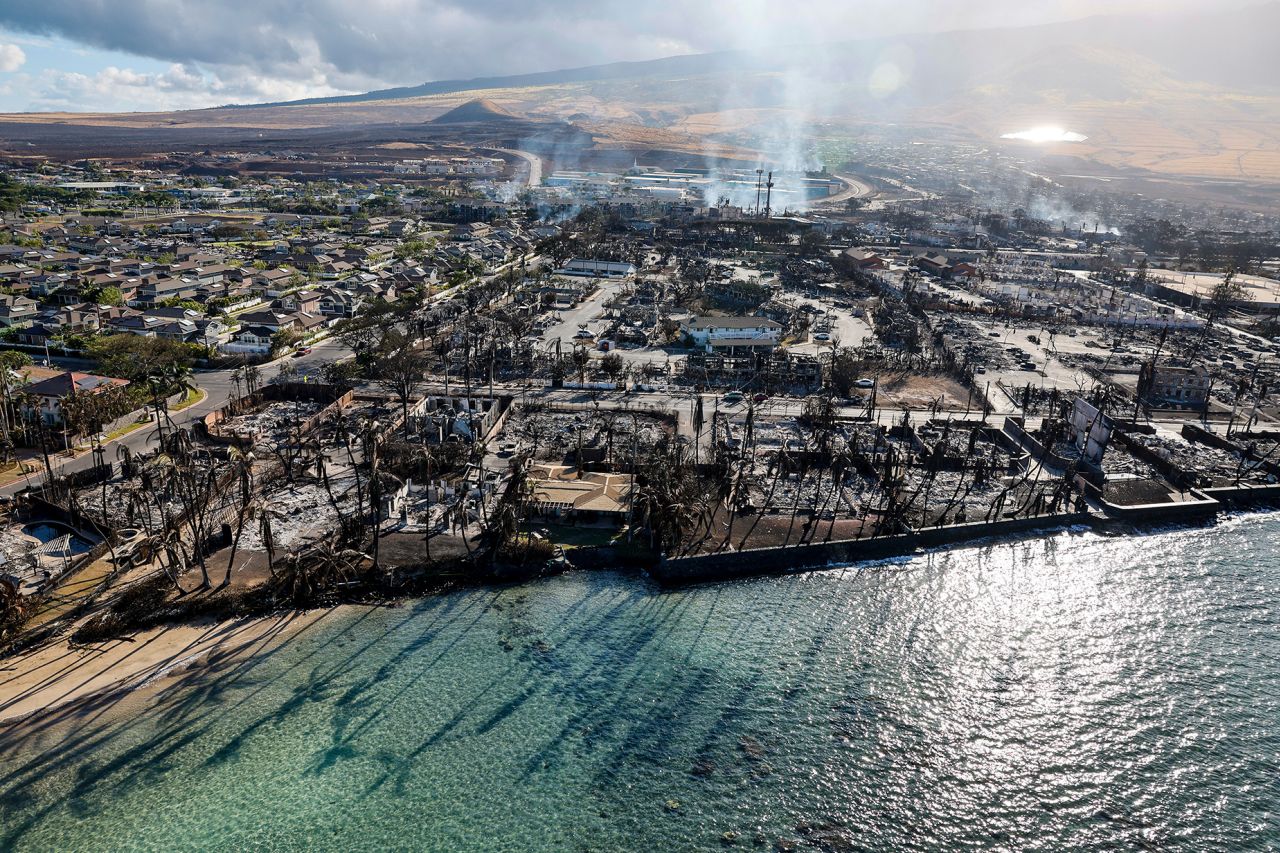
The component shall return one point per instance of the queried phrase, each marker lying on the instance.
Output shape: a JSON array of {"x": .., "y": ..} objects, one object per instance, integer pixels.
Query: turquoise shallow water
[{"x": 1070, "y": 693}]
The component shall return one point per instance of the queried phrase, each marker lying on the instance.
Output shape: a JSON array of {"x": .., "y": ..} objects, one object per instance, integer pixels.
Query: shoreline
[
  {"x": 65, "y": 680},
  {"x": 59, "y": 676}
]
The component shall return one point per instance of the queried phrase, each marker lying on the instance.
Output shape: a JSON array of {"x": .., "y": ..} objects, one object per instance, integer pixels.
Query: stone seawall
[
  {"x": 1199, "y": 507},
  {"x": 765, "y": 561}
]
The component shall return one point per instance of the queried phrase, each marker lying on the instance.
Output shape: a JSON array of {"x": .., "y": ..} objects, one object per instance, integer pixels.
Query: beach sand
[{"x": 48, "y": 678}]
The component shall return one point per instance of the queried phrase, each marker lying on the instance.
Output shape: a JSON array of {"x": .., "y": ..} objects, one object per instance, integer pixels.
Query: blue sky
[
  {"x": 58, "y": 74},
  {"x": 132, "y": 55}
]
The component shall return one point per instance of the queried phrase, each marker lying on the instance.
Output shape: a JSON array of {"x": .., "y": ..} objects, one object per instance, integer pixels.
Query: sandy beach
[{"x": 57, "y": 675}]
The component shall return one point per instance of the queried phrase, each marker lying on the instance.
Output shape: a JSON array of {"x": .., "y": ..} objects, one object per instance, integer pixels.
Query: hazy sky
[{"x": 100, "y": 55}]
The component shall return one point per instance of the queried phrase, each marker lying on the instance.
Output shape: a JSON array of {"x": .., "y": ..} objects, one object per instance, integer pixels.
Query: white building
[
  {"x": 597, "y": 269},
  {"x": 733, "y": 335}
]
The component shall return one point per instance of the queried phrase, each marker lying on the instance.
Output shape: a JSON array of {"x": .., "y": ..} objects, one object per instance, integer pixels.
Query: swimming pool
[{"x": 48, "y": 531}]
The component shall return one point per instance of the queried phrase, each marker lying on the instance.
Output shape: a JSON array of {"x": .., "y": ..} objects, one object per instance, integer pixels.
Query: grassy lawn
[
  {"x": 193, "y": 396},
  {"x": 128, "y": 428},
  {"x": 14, "y": 471}
]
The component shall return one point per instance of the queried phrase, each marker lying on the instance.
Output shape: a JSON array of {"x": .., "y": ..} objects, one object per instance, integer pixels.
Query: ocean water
[{"x": 1075, "y": 692}]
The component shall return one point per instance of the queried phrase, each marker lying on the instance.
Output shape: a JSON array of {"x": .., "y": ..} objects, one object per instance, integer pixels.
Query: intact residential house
[
  {"x": 77, "y": 318},
  {"x": 273, "y": 281},
  {"x": 472, "y": 231},
  {"x": 59, "y": 287},
  {"x": 336, "y": 269},
  {"x": 413, "y": 276},
  {"x": 307, "y": 301},
  {"x": 372, "y": 256},
  {"x": 175, "y": 312},
  {"x": 267, "y": 318},
  {"x": 97, "y": 245},
  {"x": 127, "y": 285},
  {"x": 50, "y": 393},
  {"x": 176, "y": 330},
  {"x": 935, "y": 264},
  {"x": 20, "y": 288},
  {"x": 209, "y": 331},
  {"x": 57, "y": 322},
  {"x": 158, "y": 290},
  {"x": 335, "y": 302},
  {"x": 17, "y": 311},
  {"x": 134, "y": 324},
  {"x": 203, "y": 275},
  {"x": 401, "y": 227},
  {"x": 15, "y": 272},
  {"x": 733, "y": 335},
  {"x": 309, "y": 259},
  {"x": 251, "y": 339},
  {"x": 863, "y": 259},
  {"x": 374, "y": 291},
  {"x": 307, "y": 323},
  {"x": 37, "y": 334},
  {"x": 52, "y": 260}
]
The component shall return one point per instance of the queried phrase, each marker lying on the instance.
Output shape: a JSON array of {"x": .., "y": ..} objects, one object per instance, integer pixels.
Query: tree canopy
[{"x": 134, "y": 357}]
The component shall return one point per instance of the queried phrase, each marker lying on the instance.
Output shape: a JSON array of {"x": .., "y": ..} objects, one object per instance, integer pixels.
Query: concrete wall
[
  {"x": 1013, "y": 427},
  {"x": 1245, "y": 495},
  {"x": 1167, "y": 469},
  {"x": 763, "y": 561},
  {"x": 1197, "y": 434},
  {"x": 1198, "y": 508}
]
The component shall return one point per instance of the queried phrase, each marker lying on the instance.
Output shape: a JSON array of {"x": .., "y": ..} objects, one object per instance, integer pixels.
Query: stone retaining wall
[{"x": 764, "y": 561}]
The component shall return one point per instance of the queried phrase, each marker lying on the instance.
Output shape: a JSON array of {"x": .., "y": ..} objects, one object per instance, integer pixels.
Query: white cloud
[
  {"x": 178, "y": 87},
  {"x": 255, "y": 50},
  {"x": 12, "y": 57}
]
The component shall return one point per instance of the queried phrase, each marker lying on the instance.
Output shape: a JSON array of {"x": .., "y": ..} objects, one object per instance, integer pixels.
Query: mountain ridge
[
  {"x": 1156, "y": 36},
  {"x": 1195, "y": 95}
]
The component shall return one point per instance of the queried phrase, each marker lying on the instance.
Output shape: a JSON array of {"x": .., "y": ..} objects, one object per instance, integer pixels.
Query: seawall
[
  {"x": 1201, "y": 507},
  {"x": 764, "y": 561}
]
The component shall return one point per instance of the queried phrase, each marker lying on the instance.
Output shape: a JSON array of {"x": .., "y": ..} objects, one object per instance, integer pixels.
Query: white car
[{"x": 865, "y": 383}]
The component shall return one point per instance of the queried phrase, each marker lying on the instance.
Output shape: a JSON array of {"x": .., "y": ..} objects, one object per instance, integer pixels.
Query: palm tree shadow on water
[
  {"x": 190, "y": 706},
  {"x": 524, "y": 678},
  {"x": 588, "y": 661}
]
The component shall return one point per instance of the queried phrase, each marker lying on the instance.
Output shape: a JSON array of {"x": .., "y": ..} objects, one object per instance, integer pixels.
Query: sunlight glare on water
[
  {"x": 1046, "y": 133},
  {"x": 1073, "y": 692}
]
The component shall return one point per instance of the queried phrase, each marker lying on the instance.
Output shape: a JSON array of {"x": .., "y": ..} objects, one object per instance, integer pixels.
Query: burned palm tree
[
  {"x": 778, "y": 464},
  {"x": 306, "y": 576},
  {"x": 244, "y": 478},
  {"x": 268, "y": 540},
  {"x": 665, "y": 497},
  {"x": 14, "y": 608}
]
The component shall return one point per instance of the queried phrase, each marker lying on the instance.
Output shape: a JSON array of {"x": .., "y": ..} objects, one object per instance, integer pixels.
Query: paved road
[
  {"x": 856, "y": 189},
  {"x": 534, "y": 177},
  {"x": 847, "y": 330},
  {"x": 218, "y": 389}
]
